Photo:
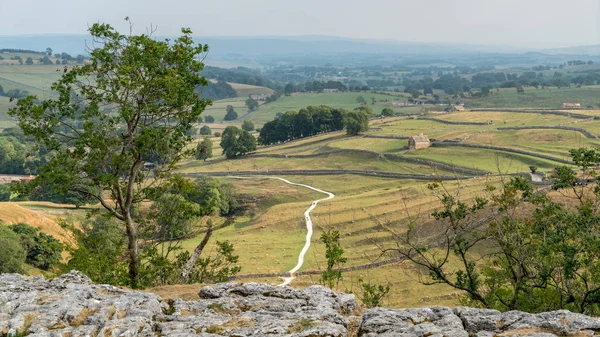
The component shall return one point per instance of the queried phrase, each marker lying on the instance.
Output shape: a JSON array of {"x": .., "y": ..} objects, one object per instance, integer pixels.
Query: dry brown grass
[
  {"x": 187, "y": 292},
  {"x": 82, "y": 316},
  {"x": 12, "y": 213},
  {"x": 531, "y": 331}
]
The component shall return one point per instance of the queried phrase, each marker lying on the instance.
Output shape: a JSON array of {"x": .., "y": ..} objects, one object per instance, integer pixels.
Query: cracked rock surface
[{"x": 71, "y": 305}]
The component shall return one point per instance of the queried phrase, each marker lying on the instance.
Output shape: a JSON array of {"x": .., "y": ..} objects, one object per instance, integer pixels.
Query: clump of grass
[
  {"x": 220, "y": 309},
  {"x": 301, "y": 325},
  {"x": 216, "y": 329}
]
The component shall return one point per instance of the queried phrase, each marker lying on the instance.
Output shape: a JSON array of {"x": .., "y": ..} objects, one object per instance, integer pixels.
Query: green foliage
[
  {"x": 209, "y": 119},
  {"x": 387, "y": 112},
  {"x": 236, "y": 142},
  {"x": 248, "y": 126},
  {"x": 361, "y": 100},
  {"x": 231, "y": 114},
  {"x": 12, "y": 254},
  {"x": 172, "y": 217},
  {"x": 217, "y": 267},
  {"x": 204, "y": 149},
  {"x": 334, "y": 255},
  {"x": 542, "y": 260},
  {"x": 251, "y": 104},
  {"x": 356, "y": 121},
  {"x": 5, "y": 193},
  {"x": 219, "y": 90},
  {"x": 205, "y": 130},
  {"x": 43, "y": 250},
  {"x": 38, "y": 190},
  {"x": 373, "y": 293},
  {"x": 135, "y": 99},
  {"x": 306, "y": 122},
  {"x": 213, "y": 196},
  {"x": 13, "y": 156},
  {"x": 100, "y": 252},
  {"x": 29, "y": 61}
]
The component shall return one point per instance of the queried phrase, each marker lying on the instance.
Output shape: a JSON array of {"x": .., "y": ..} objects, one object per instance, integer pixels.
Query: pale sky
[{"x": 518, "y": 23}]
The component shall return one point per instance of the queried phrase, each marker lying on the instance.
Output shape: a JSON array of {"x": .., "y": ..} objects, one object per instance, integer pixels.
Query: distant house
[
  {"x": 260, "y": 97},
  {"x": 330, "y": 90},
  {"x": 418, "y": 142},
  {"x": 459, "y": 108},
  {"x": 571, "y": 106}
]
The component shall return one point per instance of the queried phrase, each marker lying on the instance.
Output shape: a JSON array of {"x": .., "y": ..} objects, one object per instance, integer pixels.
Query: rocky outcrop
[{"x": 72, "y": 305}]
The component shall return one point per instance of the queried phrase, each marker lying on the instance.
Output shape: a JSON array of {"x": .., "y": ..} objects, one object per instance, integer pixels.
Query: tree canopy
[
  {"x": 204, "y": 149},
  {"x": 135, "y": 99},
  {"x": 236, "y": 142},
  {"x": 231, "y": 114}
]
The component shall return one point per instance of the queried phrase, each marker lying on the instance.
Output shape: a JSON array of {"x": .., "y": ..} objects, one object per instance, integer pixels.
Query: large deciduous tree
[
  {"x": 135, "y": 99},
  {"x": 235, "y": 142}
]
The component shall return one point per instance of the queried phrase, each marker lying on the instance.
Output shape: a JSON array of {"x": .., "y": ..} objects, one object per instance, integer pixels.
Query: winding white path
[{"x": 309, "y": 225}]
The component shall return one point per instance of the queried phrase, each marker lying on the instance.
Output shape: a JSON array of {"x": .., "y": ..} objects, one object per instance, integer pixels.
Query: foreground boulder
[{"x": 72, "y": 305}]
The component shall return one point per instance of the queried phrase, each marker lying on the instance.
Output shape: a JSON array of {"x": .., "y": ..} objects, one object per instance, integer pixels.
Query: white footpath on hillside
[{"x": 309, "y": 225}]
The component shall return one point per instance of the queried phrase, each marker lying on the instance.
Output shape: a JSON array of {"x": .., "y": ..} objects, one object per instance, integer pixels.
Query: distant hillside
[
  {"x": 76, "y": 44},
  {"x": 311, "y": 50},
  {"x": 592, "y": 50}
]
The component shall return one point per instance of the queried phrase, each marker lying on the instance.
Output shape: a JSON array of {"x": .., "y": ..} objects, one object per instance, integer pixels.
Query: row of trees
[
  {"x": 316, "y": 119},
  {"x": 297, "y": 124}
]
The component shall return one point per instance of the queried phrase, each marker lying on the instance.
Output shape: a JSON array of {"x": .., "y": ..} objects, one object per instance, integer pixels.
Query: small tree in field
[
  {"x": 251, "y": 104},
  {"x": 248, "y": 126},
  {"x": 235, "y": 142},
  {"x": 231, "y": 114},
  {"x": 335, "y": 258},
  {"x": 205, "y": 130},
  {"x": 387, "y": 112},
  {"x": 133, "y": 102},
  {"x": 204, "y": 149},
  {"x": 356, "y": 121}
]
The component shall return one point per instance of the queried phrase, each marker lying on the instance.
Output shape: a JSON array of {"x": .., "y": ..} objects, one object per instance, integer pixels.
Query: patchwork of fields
[
  {"x": 270, "y": 232},
  {"x": 366, "y": 207}
]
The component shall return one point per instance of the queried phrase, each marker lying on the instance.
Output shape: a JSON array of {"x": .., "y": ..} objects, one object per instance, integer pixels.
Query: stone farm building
[
  {"x": 418, "y": 142},
  {"x": 260, "y": 97},
  {"x": 571, "y": 105}
]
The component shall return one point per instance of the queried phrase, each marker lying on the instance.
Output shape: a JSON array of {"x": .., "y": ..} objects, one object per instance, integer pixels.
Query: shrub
[
  {"x": 248, "y": 126},
  {"x": 43, "y": 250},
  {"x": 12, "y": 254},
  {"x": 205, "y": 130}
]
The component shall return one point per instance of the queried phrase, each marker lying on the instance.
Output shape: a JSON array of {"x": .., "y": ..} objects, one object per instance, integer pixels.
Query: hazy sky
[{"x": 522, "y": 23}]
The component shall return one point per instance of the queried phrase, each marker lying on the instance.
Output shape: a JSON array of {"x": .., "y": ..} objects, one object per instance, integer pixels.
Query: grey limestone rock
[{"x": 71, "y": 305}]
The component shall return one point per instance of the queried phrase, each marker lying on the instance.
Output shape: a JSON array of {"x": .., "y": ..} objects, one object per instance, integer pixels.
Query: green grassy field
[
  {"x": 551, "y": 98},
  {"x": 336, "y": 161},
  {"x": 244, "y": 90},
  {"x": 258, "y": 238},
  {"x": 346, "y": 100}
]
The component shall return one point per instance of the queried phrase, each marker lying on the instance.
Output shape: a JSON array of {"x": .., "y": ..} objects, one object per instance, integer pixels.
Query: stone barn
[
  {"x": 418, "y": 142},
  {"x": 571, "y": 105}
]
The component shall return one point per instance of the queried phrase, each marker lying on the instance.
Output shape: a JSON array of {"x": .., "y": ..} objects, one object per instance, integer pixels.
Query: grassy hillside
[
  {"x": 346, "y": 100},
  {"x": 42, "y": 215},
  {"x": 551, "y": 98},
  {"x": 244, "y": 90}
]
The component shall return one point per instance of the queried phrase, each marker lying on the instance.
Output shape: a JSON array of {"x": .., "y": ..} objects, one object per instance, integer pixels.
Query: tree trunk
[
  {"x": 185, "y": 273},
  {"x": 133, "y": 253}
]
